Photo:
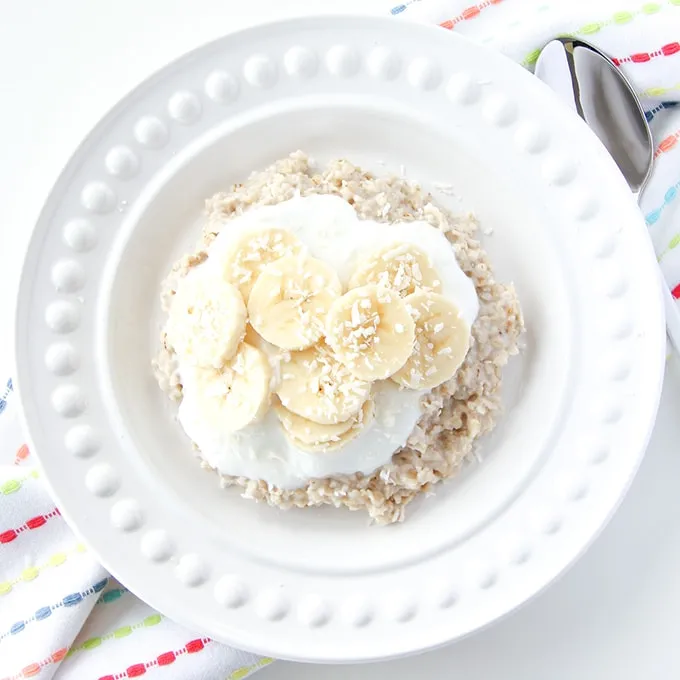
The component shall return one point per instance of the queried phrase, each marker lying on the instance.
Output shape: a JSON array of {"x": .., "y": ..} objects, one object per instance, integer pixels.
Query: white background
[{"x": 616, "y": 614}]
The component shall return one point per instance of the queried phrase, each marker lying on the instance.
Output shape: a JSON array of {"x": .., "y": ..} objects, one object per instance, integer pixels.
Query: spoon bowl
[{"x": 589, "y": 82}]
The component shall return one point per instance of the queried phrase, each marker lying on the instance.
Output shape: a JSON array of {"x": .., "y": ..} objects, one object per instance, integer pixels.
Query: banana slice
[
  {"x": 442, "y": 341},
  {"x": 235, "y": 395},
  {"x": 315, "y": 438},
  {"x": 403, "y": 267},
  {"x": 371, "y": 331},
  {"x": 245, "y": 259},
  {"x": 252, "y": 338},
  {"x": 290, "y": 300},
  {"x": 316, "y": 386},
  {"x": 207, "y": 320}
]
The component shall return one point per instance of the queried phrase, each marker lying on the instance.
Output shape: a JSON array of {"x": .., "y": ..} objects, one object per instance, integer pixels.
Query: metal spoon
[{"x": 589, "y": 82}]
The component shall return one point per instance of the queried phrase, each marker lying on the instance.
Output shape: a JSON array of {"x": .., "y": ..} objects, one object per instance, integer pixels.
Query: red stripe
[
  {"x": 468, "y": 13},
  {"x": 194, "y": 646},
  {"x": 9, "y": 535},
  {"x": 165, "y": 659},
  {"x": 36, "y": 522},
  {"x": 136, "y": 670},
  {"x": 676, "y": 292},
  {"x": 642, "y": 57}
]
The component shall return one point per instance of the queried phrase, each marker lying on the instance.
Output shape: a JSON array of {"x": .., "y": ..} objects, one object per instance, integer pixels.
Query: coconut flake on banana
[
  {"x": 308, "y": 435},
  {"x": 248, "y": 255},
  {"x": 442, "y": 339},
  {"x": 235, "y": 395},
  {"x": 290, "y": 300},
  {"x": 207, "y": 320},
  {"x": 371, "y": 331},
  {"x": 318, "y": 387},
  {"x": 403, "y": 267}
]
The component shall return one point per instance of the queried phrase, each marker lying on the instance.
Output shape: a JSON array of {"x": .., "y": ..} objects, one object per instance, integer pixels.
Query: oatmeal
[{"x": 402, "y": 348}]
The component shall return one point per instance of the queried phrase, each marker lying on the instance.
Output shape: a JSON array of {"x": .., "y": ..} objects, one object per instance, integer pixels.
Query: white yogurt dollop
[{"x": 332, "y": 232}]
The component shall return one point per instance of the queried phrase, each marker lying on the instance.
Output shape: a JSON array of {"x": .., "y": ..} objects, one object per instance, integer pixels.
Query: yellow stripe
[
  {"x": 245, "y": 671},
  {"x": 32, "y": 573},
  {"x": 660, "y": 90}
]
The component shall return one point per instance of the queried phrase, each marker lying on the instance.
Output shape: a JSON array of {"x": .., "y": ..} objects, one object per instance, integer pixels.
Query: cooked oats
[{"x": 456, "y": 413}]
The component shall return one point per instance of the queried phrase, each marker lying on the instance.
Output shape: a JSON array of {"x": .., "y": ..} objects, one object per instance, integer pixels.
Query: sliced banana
[
  {"x": 315, "y": 385},
  {"x": 207, "y": 320},
  {"x": 290, "y": 300},
  {"x": 252, "y": 337},
  {"x": 442, "y": 341},
  {"x": 237, "y": 394},
  {"x": 403, "y": 267},
  {"x": 248, "y": 255},
  {"x": 315, "y": 438},
  {"x": 309, "y": 432},
  {"x": 371, "y": 331}
]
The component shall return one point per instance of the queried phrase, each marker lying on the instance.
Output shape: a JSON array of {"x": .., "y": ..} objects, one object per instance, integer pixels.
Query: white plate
[{"x": 321, "y": 585}]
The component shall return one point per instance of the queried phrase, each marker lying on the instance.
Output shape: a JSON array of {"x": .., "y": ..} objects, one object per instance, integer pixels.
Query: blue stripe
[
  {"x": 100, "y": 585},
  {"x": 3, "y": 399},
  {"x": 400, "y": 8},
  {"x": 650, "y": 115},
  {"x": 43, "y": 613},
  {"x": 71, "y": 600},
  {"x": 670, "y": 195}
]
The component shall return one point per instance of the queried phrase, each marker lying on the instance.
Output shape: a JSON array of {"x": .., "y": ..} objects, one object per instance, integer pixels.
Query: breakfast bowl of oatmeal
[{"x": 339, "y": 339}]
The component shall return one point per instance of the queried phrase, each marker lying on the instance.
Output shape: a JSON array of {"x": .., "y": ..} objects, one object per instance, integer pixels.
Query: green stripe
[
  {"x": 673, "y": 243},
  {"x": 13, "y": 485},
  {"x": 116, "y": 634}
]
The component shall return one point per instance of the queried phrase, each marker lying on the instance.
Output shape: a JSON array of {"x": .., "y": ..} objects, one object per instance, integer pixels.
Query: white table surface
[{"x": 616, "y": 614}]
